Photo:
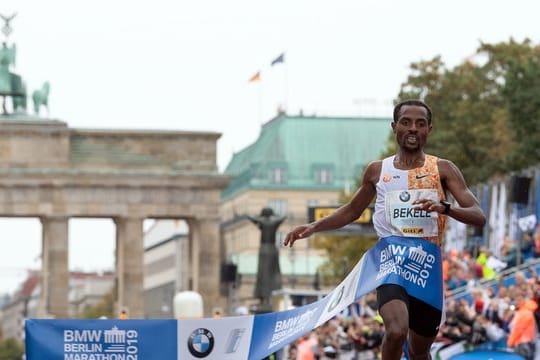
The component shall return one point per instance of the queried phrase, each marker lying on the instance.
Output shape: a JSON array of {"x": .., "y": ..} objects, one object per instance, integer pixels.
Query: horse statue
[{"x": 41, "y": 97}]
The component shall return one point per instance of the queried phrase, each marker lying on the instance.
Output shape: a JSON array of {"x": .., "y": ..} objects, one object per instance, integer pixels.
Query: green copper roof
[{"x": 302, "y": 146}]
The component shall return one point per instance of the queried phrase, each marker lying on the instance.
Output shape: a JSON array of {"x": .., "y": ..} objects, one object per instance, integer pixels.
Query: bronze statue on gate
[{"x": 11, "y": 84}]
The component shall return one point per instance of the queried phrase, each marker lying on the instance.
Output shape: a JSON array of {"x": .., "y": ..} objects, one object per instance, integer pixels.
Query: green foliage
[
  {"x": 343, "y": 254},
  {"x": 486, "y": 110},
  {"x": 391, "y": 146},
  {"x": 522, "y": 93},
  {"x": 105, "y": 307},
  {"x": 10, "y": 349}
]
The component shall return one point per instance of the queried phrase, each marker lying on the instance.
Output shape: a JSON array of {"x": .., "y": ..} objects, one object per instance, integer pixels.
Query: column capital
[
  {"x": 118, "y": 219},
  {"x": 204, "y": 218},
  {"x": 53, "y": 218}
]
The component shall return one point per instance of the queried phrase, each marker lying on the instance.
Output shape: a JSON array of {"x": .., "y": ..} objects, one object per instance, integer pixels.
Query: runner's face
[{"x": 412, "y": 127}]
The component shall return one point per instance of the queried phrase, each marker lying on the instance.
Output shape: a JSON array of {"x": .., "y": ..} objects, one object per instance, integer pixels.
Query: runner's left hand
[{"x": 428, "y": 205}]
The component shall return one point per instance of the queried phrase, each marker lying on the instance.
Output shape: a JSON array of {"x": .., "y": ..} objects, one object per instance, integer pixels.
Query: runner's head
[
  {"x": 412, "y": 124},
  {"x": 412, "y": 102}
]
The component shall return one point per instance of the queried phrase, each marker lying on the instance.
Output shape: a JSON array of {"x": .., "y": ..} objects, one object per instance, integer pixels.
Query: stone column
[
  {"x": 194, "y": 243},
  {"x": 206, "y": 260},
  {"x": 130, "y": 266},
  {"x": 55, "y": 279}
]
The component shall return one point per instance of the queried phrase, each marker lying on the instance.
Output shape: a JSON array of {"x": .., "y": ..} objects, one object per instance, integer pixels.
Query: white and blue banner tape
[{"x": 410, "y": 262}]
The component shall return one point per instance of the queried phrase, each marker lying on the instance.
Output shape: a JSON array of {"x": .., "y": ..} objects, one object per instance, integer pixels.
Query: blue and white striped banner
[{"x": 412, "y": 263}]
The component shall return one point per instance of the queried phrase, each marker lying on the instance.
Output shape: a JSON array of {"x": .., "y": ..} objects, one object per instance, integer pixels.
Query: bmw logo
[
  {"x": 336, "y": 300},
  {"x": 201, "y": 342},
  {"x": 405, "y": 196}
]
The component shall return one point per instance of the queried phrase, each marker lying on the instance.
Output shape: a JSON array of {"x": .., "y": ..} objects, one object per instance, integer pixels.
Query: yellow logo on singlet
[{"x": 414, "y": 230}]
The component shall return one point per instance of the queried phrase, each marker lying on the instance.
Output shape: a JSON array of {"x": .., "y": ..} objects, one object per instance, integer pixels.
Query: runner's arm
[
  {"x": 358, "y": 203},
  {"x": 346, "y": 213}
]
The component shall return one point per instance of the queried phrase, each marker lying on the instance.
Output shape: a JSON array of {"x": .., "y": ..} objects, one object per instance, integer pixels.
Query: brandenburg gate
[{"x": 53, "y": 172}]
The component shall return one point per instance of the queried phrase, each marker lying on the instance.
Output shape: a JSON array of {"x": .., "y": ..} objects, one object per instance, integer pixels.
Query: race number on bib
[{"x": 405, "y": 219}]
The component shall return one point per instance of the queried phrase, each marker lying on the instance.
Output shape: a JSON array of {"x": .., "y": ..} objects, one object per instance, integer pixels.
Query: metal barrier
[{"x": 507, "y": 277}]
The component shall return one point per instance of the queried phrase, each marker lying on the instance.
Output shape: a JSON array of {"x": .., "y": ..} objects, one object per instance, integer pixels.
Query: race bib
[{"x": 405, "y": 219}]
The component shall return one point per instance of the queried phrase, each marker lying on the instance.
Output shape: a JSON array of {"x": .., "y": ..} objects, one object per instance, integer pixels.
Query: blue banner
[
  {"x": 101, "y": 339},
  {"x": 410, "y": 262}
]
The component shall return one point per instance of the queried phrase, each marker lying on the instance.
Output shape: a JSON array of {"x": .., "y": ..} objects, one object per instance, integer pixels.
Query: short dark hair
[{"x": 411, "y": 102}]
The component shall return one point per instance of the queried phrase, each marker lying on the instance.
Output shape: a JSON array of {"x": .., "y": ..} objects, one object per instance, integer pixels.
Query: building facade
[
  {"x": 86, "y": 289},
  {"x": 166, "y": 266}
]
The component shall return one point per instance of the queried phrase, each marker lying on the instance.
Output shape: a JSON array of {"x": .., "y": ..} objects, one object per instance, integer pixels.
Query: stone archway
[{"x": 50, "y": 171}]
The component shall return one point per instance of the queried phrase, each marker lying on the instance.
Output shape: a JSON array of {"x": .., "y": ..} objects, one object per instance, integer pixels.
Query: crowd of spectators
[
  {"x": 358, "y": 333},
  {"x": 491, "y": 310}
]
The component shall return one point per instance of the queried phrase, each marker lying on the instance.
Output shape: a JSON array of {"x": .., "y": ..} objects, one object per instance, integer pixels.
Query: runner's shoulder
[
  {"x": 446, "y": 167},
  {"x": 375, "y": 165},
  {"x": 373, "y": 171}
]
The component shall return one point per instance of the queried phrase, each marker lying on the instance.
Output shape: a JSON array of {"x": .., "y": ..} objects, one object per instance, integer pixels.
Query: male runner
[{"x": 421, "y": 181}]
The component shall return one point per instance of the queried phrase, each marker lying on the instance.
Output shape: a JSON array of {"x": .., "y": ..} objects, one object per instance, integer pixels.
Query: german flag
[{"x": 255, "y": 77}]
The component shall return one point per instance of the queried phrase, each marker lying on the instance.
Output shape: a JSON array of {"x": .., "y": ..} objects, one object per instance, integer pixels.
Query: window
[
  {"x": 279, "y": 206},
  {"x": 280, "y": 238},
  {"x": 312, "y": 202},
  {"x": 323, "y": 176},
  {"x": 278, "y": 175},
  {"x": 323, "y": 173}
]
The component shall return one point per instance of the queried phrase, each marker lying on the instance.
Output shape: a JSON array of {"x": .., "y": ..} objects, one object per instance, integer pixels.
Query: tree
[
  {"x": 520, "y": 65},
  {"x": 10, "y": 349},
  {"x": 486, "y": 109},
  {"x": 343, "y": 251},
  {"x": 105, "y": 307},
  {"x": 465, "y": 107}
]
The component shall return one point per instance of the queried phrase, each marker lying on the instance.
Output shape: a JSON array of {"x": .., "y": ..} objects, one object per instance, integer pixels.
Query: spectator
[
  {"x": 493, "y": 331},
  {"x": 456, "y": 279},
  {"x": 522, "y": 328},
  {"x": 479, "y": 302},
  {"x": 476, "y": 270},
  {"x": 536, "y": 240},
  {"x": 305, "y": 347},
  {"x": 292, "y": 353},
  {"x": 521, "y": 283},
  {"x": 509, "y": 253},
  {"x": 445, "y": 267},
  {"x": 329, "y": 339},
  {"x": 492, "y": 313},
  {"x": 479, "y": 332},
  {"x": 487, "y": 272},
  {"x": 527, "y": 246}
]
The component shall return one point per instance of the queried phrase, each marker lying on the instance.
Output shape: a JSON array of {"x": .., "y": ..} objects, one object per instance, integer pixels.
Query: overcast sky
[{"x": 185, "y": 65}]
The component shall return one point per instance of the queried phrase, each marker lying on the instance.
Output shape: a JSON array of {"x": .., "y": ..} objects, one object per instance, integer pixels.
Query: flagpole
[
  {"x": 281, "y": 60},
  {"x": 257, "y": 78},
  {"x": 260, "y": 101},
  {"x": 286, "y": 89}
]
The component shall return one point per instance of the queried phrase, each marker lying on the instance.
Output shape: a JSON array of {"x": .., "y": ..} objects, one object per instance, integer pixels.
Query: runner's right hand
[{"x": 299, "y": 232}]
